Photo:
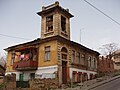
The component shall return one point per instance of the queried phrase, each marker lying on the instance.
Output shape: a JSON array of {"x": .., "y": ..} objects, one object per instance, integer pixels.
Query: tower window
[
  {"x": 49, "y": 23},
  {"x": 63, "y": 24}
]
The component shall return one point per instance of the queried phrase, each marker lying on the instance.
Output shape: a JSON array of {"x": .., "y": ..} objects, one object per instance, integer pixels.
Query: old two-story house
[
  {"x": 53, "y": 55},
  {"x": 116, "y": 59}
]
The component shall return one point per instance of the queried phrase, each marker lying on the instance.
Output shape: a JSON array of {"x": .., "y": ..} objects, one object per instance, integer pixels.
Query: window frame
[
  {"x": 49, "y": 23},
  {"x": 83, "y": 59},
  {"x": 78, "y": 57},
  {"x": 12, "y": 57},
  {"x": 95, "y": 63},
  {"x": 90, "y": 61},
  {"x": 32, "y": 75},
  {"x": 47, "y": 53},
  {"x": 73, "y": 56},
  {"x": 63, "y": 24}
]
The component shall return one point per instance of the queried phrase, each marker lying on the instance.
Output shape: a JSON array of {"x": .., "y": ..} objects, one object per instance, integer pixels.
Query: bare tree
[
  {"x": 109, "y": 49},
  {"x": 3, "y": 59}
]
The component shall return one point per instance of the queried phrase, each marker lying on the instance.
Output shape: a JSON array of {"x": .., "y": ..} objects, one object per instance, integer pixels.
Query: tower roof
[{"x": 54, "y": 7}]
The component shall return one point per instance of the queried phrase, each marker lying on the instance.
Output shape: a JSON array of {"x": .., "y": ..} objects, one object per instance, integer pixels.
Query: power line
[
  {"x": 13, "y": 37},
  {"x": 102, "y": 12}
]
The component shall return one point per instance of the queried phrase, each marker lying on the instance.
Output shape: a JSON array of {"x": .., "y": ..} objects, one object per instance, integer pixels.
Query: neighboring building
[
  {"x": 54, "y": 54},
  {"x": 116, "y": 59},
  {"x": 2, "y": 70},
  {"x": 105, "y": 65},
  {"x": 2, "y": 66}
]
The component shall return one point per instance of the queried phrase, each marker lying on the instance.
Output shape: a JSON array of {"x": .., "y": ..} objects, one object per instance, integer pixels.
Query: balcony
[{"x": 25, "y": 65}]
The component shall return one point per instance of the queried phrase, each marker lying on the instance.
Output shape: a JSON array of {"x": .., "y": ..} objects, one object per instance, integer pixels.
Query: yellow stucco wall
[
  {"x": 41, "y": 56},
  {"x": 8, "y": 63},
  {"x": 53, "y": 54}
]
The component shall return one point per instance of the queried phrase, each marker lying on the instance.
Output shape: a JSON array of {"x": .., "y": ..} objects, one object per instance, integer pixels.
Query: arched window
[
  {"x": 64, "y": 53},
  {"x": 83, "y": 59},
  {"x": 90, "y": 62},
  {"x": 64, "y": 50},
  {"x": 95, "y": 63}
]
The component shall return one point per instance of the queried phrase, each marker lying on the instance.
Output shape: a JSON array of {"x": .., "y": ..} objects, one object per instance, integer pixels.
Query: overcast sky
[{"x": 18, "y": 18}]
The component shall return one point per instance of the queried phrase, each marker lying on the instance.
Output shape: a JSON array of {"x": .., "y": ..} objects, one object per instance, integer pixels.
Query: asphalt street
[{"x": 112, "y": 85}]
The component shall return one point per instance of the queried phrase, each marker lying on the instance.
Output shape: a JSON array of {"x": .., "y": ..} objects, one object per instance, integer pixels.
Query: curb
[{"x": 103, "y": 82}]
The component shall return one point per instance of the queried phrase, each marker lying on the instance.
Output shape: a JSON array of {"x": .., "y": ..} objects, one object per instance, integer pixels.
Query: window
[
  {"x": 32, "y": 75},
  {"x": 26, "y": 54},
  {"x": 13, "y": 57},
  {"x": 78, "y": 57},
  {"x": 64, "y": 50},
  {"x": 116, "y": 56},
  {"x": 79, "y": 76},
  {"x": 95, "y": 63},
  {"x": 85, "y": 76},
  {"x": 64, "y": 56},
  {"x": 73, "y": 56},
  {"x": 74, "y": 76},
  {"x": 49, "y": 23},
  {"x": 47, "y": 53},
  {"x": 63, "y": 24},
  {"x": 64, "y": 53},
  {"x": 83, "y": 59},
  {"x": 90, "y": 62}
]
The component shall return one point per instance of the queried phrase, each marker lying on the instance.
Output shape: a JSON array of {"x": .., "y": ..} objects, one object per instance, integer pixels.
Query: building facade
[
  {"x": 116, "y": 59},
  {"x": 53, "y": 55},
  {"x": 2, "y": 70}
]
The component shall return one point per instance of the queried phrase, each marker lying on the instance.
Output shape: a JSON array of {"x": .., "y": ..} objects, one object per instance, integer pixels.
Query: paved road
[{"x": 113, "y": 85}]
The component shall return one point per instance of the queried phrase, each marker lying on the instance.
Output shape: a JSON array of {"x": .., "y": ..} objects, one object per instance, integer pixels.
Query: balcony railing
[{"x": 25, "y": 65}]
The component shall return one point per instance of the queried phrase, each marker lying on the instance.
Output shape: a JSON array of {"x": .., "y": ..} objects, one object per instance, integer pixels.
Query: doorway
[{"x": 64, "y": 72}]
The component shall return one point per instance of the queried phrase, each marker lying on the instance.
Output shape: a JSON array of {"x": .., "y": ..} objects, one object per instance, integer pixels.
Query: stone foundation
[{"x": 43, "y": 84}]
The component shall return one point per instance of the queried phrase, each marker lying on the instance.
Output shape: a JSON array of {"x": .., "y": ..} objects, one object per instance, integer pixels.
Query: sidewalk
[
  {"x": 89, "y": 85},
  {"x": 102, "y": 82}
]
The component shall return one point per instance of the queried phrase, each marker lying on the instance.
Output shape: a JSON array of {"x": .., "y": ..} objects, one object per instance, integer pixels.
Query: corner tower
[{"x": 55, "y": 21}]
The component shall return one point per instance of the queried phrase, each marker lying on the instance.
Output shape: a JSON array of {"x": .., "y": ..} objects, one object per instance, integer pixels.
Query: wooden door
[{"x": 64, "y": 72}]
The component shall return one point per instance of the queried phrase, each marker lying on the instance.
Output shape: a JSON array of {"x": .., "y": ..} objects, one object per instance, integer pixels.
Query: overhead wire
[
  {"x": 87, "y": 3},
  {"x": 102, "y": 12},
  {"x": 13, "y": 37}
]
